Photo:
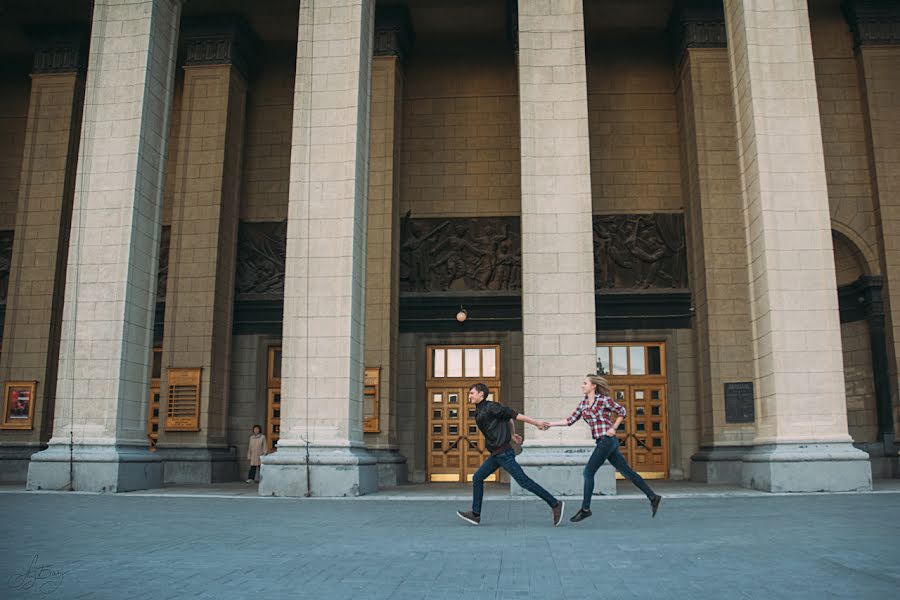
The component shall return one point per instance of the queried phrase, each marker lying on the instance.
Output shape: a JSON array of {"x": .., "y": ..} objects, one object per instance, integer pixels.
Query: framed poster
[{"x": 18, "y": 405}]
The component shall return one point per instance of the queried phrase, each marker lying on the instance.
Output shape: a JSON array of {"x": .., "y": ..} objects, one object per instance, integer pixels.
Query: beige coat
[{"x": 256, "y": 448}]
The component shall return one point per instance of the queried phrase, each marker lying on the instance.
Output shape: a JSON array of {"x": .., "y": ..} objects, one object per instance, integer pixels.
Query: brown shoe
[
  {"x": 558, "y": 512},
  {"x": 469, "y": 517}
]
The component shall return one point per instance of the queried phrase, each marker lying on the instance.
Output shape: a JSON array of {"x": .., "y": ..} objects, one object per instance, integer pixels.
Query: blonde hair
[{"x": 600, "y": 383}]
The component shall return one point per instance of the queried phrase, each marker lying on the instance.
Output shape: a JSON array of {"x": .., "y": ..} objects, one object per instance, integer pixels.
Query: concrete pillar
[
  {"x": 876, "y": 30},
  {"x": 205, "y": 207},
  {"x": 321, "y": 450},
  {"x": 99, "y": 438},
  {"x": 715, "y": 225},
  {"x": 37, "y": 266},
  {"x": 801, "y": 442},
  {"x": 392, "y": 40},
  {"x": 558, "y": 320}
]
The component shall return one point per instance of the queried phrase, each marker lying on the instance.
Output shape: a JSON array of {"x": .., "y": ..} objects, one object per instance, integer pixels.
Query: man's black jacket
[{"x": 493, "y": 421}]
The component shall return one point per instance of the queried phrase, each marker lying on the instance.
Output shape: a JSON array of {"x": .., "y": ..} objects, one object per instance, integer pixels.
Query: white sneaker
[{"x": 249, "y": 481}]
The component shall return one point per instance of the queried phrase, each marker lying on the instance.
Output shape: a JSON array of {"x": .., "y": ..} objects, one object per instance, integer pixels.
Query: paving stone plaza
[
  {"x": 699, "y": 546},
  {"x": 332, "y": 219}
]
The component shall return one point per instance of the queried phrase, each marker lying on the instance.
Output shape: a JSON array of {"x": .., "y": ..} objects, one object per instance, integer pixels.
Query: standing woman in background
[
  {"x": 596, "y": 409},
  {"x": 256, "y": 448}
]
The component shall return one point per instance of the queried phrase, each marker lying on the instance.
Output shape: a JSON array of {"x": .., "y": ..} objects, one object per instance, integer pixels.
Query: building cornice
[
  {"x": 696, "y": 24},
  {"x": 219, "y": 40},
  {"x": 59, "y": 48},
  {"x": 393, "y": 32},
  {"x": 873, "y": 22}
]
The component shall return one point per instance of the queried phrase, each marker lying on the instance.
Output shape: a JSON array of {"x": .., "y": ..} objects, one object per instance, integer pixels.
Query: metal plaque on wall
[{"x": 739, "y": 406}]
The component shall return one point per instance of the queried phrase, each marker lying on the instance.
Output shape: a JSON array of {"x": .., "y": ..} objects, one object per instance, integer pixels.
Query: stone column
[
  {"x": 715, "y": 224},
  {"x": 37, "y": 267},
  {"x": 876, "y": 30},
  {"x": 392, "y": 40},
  {"x": 321, "y": 451},
  {"x": 99, "y": 438},
  {"x": 558, "y": 319},
  {"x": 205, "y": 207},
  {"x": 802, "y": 442}
]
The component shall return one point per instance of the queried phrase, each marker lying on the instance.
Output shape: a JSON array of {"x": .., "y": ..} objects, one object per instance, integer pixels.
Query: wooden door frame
[
  {"x": 659, "y": 380},
  {"x": 463, "y": 384}
]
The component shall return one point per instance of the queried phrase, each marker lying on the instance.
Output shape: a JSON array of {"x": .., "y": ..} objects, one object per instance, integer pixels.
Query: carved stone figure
[
  {"x": 6, "y": 242},
  {"x": 162, "y": 276},
  {"x": 639, "y": 251},
  {"x": 467, "y": 254},
  {"x": 261, "y": 253}
]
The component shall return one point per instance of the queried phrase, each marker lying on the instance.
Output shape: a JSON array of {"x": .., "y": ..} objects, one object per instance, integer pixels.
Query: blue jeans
[
  {"x": 507, "y": 460},
  {"x": 608, "y": 449}
]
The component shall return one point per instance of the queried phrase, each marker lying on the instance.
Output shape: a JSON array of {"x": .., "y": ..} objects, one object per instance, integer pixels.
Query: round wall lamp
[{"x": 462, "y": 315}]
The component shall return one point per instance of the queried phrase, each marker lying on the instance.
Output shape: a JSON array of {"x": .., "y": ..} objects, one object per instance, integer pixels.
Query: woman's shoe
[{"x": 581, "y": 515}]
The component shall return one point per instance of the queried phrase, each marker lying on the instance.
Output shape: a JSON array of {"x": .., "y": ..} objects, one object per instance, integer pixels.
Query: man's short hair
[{"x": 480, "y": 387}]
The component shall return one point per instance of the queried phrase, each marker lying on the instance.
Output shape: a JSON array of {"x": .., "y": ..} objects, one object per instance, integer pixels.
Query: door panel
[
  {"x": 644, "y": 437},
  {"x": 456, "y": 447}
]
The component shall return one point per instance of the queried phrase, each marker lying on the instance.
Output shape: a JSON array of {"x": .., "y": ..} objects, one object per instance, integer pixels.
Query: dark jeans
[
  {"x": 252, "y": 473},
  {"x": 608, "y": 449},
  {"x": 507, "y": 460}
]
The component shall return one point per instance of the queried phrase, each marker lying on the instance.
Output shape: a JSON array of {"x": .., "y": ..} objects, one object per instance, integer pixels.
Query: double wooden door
[
  {"x": 455, "y": 446},
  {"x": 644, "y": 436}
]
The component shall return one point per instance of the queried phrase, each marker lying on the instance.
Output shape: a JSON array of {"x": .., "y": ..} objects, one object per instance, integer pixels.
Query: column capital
[
  {"x": 393, "y": 32},
  {"x": 873, "y": 22},
  {"x": 219, "y": 40},
  {"x": 59, "y": 48},
  {"x": 696, "y": 24}
]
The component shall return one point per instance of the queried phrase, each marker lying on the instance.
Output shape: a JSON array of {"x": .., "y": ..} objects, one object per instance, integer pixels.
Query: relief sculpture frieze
[
  {"x": 162, "y": 275},
  {"x": 6, "y": 242},
  {"x": 261, "y": 253},
  {"x": 460, "y": 254},
  {"x": 640, "y": 252}
]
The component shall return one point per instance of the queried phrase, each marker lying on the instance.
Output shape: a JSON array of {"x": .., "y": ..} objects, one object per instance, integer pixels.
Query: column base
[
  {"x": 198, "y": 465},
  {"x": 94, "y": 468},
  {"x": 718, "y": 465},
  {"x": 391, "y": 467},
  {"x": 328, "y": 472},
  {"x": 15, "y": 458},
  {"x": 806, "y": 468},
  {"x": 884, "y": 458},
  {"x": 559, "y": 470}
]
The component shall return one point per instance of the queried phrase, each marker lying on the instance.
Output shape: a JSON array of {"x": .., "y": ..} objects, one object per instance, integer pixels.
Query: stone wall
[{"x": 460, "y": 133}]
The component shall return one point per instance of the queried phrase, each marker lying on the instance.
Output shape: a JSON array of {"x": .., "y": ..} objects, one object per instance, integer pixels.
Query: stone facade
[{"x": 322, "y": 131}]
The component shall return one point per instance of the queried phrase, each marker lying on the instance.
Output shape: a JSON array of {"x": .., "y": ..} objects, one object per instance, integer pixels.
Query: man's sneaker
[
  {"x": 469, "y": 516},
  {"x": 654, "y": 504},
  {"x": 558, "y": 512},
  {"x": 581, "y": 515}
]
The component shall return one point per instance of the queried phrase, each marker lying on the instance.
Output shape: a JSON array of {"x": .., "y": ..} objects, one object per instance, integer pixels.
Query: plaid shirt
[{"x": 597, "y": 414}]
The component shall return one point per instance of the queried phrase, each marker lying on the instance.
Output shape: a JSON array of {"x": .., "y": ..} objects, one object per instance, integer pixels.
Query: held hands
[{"x": 543, "y": 425}]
